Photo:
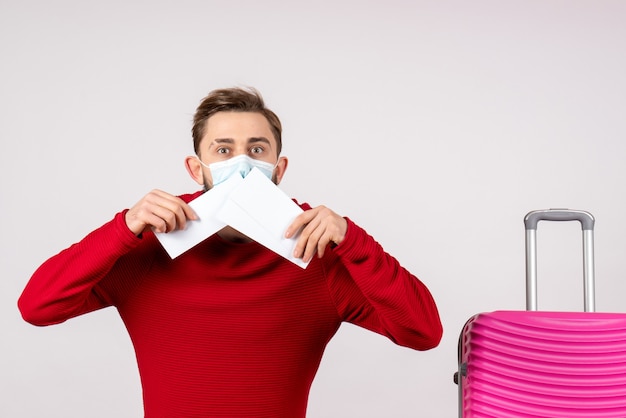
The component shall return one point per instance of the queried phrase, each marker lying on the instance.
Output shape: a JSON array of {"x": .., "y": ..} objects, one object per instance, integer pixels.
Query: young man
[{"x": 229, "y": 328}]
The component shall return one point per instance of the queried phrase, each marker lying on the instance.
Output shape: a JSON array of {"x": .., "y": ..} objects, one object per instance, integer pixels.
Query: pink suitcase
[{"x": 545, "y": 364}]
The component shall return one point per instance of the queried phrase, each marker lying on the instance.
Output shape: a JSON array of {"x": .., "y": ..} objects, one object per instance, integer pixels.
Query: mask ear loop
[
  {"x": 227, "y": 161},
  {"x": 200, "y": 161},
  {"x": 265, "y": 162},
  {"x": 224, "y": 161}
]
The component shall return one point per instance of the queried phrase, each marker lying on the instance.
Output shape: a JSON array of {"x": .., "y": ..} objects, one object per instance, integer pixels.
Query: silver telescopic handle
[{"x": 587, "y": 222}]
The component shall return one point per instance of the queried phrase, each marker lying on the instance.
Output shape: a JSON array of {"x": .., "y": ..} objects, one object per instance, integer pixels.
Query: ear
[
  {"x": 281, "y": 167},
  {"x": 194, "y": 168}
]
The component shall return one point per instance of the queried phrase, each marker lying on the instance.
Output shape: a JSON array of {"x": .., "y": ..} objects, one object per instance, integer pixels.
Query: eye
[
  {"x": 256, "y": 150},
  {"x": 222, "y": 150}
]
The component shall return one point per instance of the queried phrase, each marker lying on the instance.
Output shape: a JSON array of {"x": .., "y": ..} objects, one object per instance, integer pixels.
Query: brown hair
[{"x": 233, "y": 100}]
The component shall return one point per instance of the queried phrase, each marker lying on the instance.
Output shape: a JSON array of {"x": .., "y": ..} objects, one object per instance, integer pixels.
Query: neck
[{"x": 229, "y": 234}]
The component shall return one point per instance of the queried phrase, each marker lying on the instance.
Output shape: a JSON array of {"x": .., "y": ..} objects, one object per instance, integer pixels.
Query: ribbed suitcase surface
[{"x": 544, "y": 364}]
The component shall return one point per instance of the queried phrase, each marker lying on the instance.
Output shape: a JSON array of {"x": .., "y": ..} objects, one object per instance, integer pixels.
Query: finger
[
  {"x": 155, "y": 223},
  {"x": 321, "y": 245},
  {"x": 312, "y": 245},
  {"x": 174, "y": 203},
  {"x": 166, "y": 219},
  {"x": 303, "y": 239},
  {"x": 311, "y": 236},
  {"x": 173, "y": 210},
  {"x": 299, "y": 222},
  {"x": 189, "y": 212},
  {"x": 159, "y": 211}
]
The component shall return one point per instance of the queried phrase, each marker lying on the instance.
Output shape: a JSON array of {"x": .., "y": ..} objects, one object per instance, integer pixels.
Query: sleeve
[
  {"x": 66, "y": 285},
  {"x": 372, "y": 290}
]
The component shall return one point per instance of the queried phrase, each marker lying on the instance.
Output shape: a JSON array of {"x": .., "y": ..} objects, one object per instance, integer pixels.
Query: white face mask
[{"x": 241, "y": 164}]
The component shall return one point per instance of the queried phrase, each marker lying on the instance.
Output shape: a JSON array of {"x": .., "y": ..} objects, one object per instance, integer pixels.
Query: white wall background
[{"x": 436, "y": 125}]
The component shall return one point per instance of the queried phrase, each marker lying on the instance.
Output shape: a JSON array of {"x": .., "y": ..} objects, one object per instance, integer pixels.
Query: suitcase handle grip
[
  {"x": 587, "y": 223},
  {"x": 585, "y": 218}
]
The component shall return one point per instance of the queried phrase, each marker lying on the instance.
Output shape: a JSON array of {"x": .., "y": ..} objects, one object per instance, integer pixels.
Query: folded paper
[
  {"x": 253, "y": 205},
  {"x": 206, "y": 207},
  {"x": 261, "y": 211}
]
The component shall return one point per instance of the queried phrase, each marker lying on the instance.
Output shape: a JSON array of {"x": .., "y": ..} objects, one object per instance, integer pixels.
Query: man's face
[{"x": 229, "y": 134}]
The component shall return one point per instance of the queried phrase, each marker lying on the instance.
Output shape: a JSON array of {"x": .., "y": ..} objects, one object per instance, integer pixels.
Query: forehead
[{"x": 237, "y": 126}]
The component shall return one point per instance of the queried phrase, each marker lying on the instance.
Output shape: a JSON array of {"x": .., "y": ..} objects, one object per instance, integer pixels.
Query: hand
[
  {"x": 321, "y": 226},
  {"x": 160, "y": 211}
]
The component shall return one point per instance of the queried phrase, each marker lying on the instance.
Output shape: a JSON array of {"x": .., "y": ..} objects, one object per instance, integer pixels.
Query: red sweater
[{"x": 230, "y": 329}]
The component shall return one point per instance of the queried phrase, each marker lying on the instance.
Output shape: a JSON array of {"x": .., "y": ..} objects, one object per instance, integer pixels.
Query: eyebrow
[{"x": 251, "y": 140}]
